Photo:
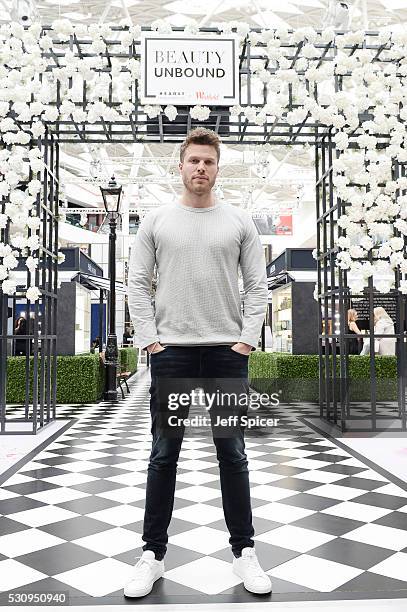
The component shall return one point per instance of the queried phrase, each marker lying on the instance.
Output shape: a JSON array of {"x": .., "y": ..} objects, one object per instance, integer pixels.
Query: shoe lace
[
  {"x": 143, "y": 565},
  {"x": 254, "y": 565}
]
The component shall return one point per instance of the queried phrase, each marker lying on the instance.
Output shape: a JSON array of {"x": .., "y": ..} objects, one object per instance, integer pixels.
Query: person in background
[
  {"x": 383, "y": 324},
  {"x": 354, "y": 343},
  {"x": 127, "y": 337},
  {"x": 20, "y": 329}
]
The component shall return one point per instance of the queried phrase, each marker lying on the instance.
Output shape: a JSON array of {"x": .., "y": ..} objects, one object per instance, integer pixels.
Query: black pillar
[{"x": 112, "y": 353}]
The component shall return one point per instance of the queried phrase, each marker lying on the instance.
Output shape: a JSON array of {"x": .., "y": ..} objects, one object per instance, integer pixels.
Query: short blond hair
[
  {"x": 201, "y": 136},
  {"x": 352, "y": 315}
]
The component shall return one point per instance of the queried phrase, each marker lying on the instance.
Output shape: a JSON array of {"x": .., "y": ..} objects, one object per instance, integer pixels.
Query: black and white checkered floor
[{"x": 328, "y": 526}]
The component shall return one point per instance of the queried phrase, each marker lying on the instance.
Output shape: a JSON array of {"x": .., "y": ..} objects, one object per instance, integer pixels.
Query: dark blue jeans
[{"x": 182, "y": 368}]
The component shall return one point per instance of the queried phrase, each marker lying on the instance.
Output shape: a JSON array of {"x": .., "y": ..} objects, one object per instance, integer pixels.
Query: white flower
[
  {"x": 396, "y": 243},
  {"x": 385, "y": 250},
  {"x": 356, "y": 285},
  {"x": 3, "y": 221},
  {"x": 33, "y": 242},
  {"x": 152, "y": 111},
  {"x": 33, "y": 293},
  {"x": 383, "y": 285},
  {"x": 34, "y": 187},
  {"x": 3, "y": 272},
  {"x": 356, "y": 251},
  {"x": 31, "y": 263},
  {"x": 62, "y": 27},
  {"x": 403, "y": 286},
  {"x": 315, "y": 253},
  {"x": 10, "y": 262},
  {"x": 61, "y": 257},
  {"x": 33, "y": 223},
  {"x": 200, "y": 112},
  {"x": 9, "y": 286},
  {"x": 171, "y": 112}
]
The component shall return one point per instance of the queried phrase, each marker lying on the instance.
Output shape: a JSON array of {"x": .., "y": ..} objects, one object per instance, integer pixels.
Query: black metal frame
[
  {"x": 139, "y": 128},
  {"x": 40, "y": 365},
  {"x": 335, "y": 390}
]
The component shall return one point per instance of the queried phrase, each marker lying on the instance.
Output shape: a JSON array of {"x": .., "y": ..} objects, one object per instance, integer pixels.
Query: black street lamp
[{"x": 111, "y": 199}]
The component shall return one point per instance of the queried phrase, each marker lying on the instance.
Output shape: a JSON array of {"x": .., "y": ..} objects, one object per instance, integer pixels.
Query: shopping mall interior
[{"x": 308, "y": 100}]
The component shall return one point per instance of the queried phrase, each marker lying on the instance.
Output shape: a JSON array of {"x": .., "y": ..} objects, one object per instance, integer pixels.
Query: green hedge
[
  {"x": 297, "y": 376},
  {"x": 128, "y": 359},
  {"x": 80, "y": 378}
]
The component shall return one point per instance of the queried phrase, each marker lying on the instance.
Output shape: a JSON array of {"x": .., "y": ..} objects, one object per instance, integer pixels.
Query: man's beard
[{"x": 199, "y": 188}]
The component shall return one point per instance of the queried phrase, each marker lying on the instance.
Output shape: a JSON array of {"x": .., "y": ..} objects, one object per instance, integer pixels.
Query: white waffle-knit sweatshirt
[{"x": 197, "y": 252}]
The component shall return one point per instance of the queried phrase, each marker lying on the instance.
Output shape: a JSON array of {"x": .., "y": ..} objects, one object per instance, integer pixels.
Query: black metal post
[{"x": 112, "y": 353}]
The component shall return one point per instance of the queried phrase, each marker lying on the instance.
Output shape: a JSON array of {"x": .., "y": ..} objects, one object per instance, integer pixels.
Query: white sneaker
[
  {"x": 248, "y": 569},
  {"x": 147, "y": 571}
]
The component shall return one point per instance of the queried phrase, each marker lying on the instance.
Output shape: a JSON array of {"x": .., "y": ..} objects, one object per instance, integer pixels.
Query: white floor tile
[
  {"x": 129, "y": 480},
  {"x": 307, "y": 464},
  {"x": 112, "y": 542},
  {"x": 270, "y": 493},
  {"x": 391, "y": 489},
  {"x": 358, "y": 512},
  {"x": 99, "y": 578},
  {"x": 194, "y": 454},
  {"x": 314, "y": 573},
  {"x": 81, "y": 466},
  {"x": 126, "y": 495},
  {"x": 198, "y": 493},
  {"x": 202, "y": 514},
  {"x": 197, "y": 478},
  {"x": 17, "y": 479},
  {"x": 295, "y": 538},
  {"x": 203, "y": 540},
  {"x": 58, "y": 496},
  {"x": 337, "y": 492},
  {"x": 296, "y": 453},
  {"x": 281, "y": 512},
  {"x": 207, "y": 575},
  {"x": 392, "y": 567},
  {"x": 320, "y": 476},
  {"x": 27, "y": 541},
  {"x": 14, "y": 574},
  {"x": 194, "y": 464},
  {"x": 264, "y": 477},
  {"x": 68, "y": 480},
  {"x": 119, "y": 516},
  {"x": 44, "y": 515},
  {"x": 379, "y": 535},
  {"x": 371, "y": 475},
  {"x": 7, "y": 494}
]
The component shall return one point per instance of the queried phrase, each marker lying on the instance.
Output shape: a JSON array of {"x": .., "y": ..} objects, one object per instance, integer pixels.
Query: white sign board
[{"x": 189, "y": 70}]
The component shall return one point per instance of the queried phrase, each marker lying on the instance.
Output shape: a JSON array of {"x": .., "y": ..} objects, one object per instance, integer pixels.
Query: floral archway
[{"x": 341, "y": 91}]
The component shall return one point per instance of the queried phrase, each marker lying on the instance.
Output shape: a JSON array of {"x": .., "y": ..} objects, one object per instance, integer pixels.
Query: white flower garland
[{"x": 376, "y": 209}]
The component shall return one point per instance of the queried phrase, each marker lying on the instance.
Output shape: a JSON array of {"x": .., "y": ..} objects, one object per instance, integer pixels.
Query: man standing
[{"x": 196, "y": 330}]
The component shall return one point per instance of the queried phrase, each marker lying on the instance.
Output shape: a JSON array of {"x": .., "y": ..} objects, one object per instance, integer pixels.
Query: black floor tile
[
  {"x": 18, "y": 504},
  {"x": 309, "y": 501},
  {"x": 381, "y": 500},
  {"x": 74, "y": 528},
  {"x": 57, "y": 559},
  {"x": 7, "y": 526},
  {"x": 365, "y": 484},
  {"x": 398, "y": 520},
  {"x": 89, "y": 504},
  {"x": 349, "y": 552},
  {"x": 97, "y": 486},
  {"x": 333, "y": 525}
]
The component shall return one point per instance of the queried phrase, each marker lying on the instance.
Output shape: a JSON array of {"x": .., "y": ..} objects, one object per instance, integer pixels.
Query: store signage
[
  {"x": 186, "y": 70},
  {"x": 388, "y": 302}
]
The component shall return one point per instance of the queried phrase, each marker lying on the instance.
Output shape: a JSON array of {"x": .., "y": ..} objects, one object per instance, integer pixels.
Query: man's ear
[{"x": 180, "y": 166}]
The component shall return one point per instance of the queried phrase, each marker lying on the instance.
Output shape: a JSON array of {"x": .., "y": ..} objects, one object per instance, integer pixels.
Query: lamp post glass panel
[{"x": 111, "y": 199}]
